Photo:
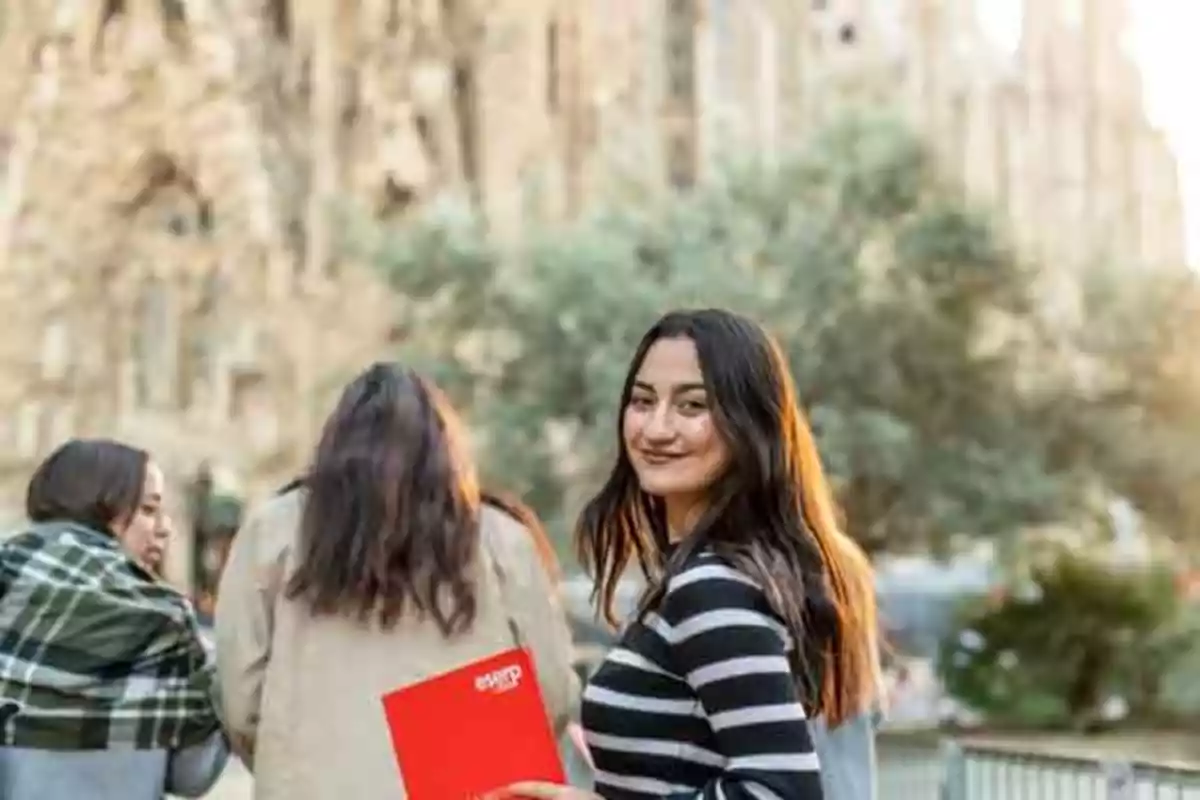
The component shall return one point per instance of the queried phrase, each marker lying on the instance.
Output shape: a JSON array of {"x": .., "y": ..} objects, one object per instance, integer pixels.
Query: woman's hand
[
  {"x": 535, "y": 790},
  {"x": 577, "y": 737}
]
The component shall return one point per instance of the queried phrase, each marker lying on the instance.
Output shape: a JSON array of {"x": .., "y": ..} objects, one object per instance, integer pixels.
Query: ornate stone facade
[
  {"x": 176, "y": 177},
  {"x": 176, "y": 172},
  {"x": 1056, "y": 133},
  {"x": 156, "y": 286}
]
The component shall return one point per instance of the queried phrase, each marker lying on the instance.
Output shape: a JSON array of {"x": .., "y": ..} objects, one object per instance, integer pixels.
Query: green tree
[
  {"x": 908, "y": 322},
  {"x": 1136, "y": 384}
]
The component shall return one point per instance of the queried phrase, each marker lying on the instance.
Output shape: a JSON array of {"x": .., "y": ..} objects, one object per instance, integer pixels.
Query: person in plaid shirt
[{"x": 106, "y": 688}]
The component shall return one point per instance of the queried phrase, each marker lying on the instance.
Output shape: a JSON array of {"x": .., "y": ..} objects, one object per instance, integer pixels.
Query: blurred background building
[{"x": 177, "y": 174}]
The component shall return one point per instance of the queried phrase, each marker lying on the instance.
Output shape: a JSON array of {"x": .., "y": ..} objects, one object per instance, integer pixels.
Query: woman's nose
[{"x": 660, "y": 427}]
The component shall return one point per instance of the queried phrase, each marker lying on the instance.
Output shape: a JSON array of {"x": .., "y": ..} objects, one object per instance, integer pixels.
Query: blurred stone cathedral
[{"x": 172, "y": 169}]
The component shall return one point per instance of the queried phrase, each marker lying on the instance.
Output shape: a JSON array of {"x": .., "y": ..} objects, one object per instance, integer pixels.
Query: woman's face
[
  {"x": 668, "y": 428},
  {"x": 145, "y": 534}
]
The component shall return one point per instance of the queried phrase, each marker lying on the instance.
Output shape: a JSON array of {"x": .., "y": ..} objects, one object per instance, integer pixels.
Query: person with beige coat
[{"x": 380, "y": 569}]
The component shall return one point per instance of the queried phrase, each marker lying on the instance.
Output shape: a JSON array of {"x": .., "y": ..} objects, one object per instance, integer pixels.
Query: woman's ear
[{"x": 119, "y": 525}]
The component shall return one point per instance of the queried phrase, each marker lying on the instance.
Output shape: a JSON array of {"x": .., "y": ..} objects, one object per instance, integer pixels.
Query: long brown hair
[
  {"x": 771, "y": 515},
  {"x": 391, "y": 510},
  {"x": 851, "y": 579},
  {"x": 92, "y": 482}
]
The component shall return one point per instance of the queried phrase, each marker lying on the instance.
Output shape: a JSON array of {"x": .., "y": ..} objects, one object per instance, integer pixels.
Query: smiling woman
[
  {"x": 759, "y": 613},
  {"x": 669, "y": 431}
]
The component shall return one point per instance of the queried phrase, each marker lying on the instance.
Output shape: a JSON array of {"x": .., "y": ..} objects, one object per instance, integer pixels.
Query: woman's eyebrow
[{"x": 678, "y": 388}]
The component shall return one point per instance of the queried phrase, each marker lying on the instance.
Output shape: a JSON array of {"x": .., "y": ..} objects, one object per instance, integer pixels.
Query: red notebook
[{"x": 474, "y": 730}]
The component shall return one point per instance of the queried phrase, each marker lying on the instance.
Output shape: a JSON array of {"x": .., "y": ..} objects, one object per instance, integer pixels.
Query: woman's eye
[
  {"x": 640, "y": 402},
  {"x": 693, "y": 406}
]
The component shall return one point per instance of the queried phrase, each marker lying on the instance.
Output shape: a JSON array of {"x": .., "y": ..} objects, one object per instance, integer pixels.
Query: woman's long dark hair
[
  {"x": 509, "y": 505},
  {"x": 391, "y": 508},
  {"x": 93, "y": 482},
  {"x": 771, "y": 514}
]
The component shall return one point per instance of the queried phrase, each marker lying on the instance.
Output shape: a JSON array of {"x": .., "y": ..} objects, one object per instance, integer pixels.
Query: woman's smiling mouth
[{"x": 658, "y": 459}]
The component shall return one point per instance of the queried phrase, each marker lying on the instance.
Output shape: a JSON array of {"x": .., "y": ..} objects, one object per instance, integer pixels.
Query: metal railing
[{"x": 958, "y": 770}]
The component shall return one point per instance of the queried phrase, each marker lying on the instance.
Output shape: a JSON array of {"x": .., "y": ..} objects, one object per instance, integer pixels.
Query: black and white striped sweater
[{"x": 698, "y": 700}]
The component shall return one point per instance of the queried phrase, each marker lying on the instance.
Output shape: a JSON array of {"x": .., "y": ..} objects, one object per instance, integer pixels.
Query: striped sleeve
[{"x": 732, "y": 651}]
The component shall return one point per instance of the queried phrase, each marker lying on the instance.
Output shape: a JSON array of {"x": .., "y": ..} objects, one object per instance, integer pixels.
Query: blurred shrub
[
  {"x": 1180, "y": 683},
  {"x": 1079, "y": 643}
]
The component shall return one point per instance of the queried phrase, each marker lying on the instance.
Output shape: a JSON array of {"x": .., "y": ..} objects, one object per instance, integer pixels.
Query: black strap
[{"x": 502, "y": 580}]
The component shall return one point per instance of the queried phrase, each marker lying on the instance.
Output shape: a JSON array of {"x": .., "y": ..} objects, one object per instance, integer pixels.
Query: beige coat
[{"x": 301, "y": 695}]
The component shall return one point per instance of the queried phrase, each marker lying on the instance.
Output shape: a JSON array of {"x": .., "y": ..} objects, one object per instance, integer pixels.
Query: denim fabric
[
  {"x": 27, "y": 774},
  {"x": 847, "y": 755}
]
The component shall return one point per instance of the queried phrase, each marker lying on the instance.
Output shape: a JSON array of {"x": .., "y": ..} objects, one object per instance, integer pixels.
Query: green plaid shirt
[{"x": 93, "y": 652}]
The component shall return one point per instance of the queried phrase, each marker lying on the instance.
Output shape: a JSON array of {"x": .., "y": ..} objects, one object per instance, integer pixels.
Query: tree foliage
[
  {"x": 1135, "y": 415},
  {"x": 1066, "y": 641},
  {"x": 911, "y": 328}
]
